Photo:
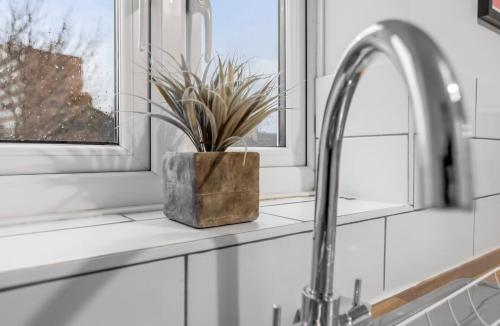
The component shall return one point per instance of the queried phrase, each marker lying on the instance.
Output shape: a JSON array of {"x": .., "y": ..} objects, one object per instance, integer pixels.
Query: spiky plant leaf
[{"x": 218, "y": 109}]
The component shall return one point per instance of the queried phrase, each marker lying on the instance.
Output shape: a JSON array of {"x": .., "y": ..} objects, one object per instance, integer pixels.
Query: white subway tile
[
  {"x": 488, "y": 107},
  {"x": 344, "y": 20},
  {"x": 422, "y": 244},
  {"x": 375, "y": 168},
  {"x": 470, "y": 47},
  {"x": 487, "y": 225},
  {"x": 379, "y": 105},
  {"x": 486, "y": 162},
  {"x": 239, "y": 285},
  {"x": 145, "y": 294},
  {"x": 360, "y": 254},
  {"x": 485, "y": 159}
]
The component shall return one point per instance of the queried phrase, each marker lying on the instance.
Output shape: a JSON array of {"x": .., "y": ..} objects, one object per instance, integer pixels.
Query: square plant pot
[{"x": 211, "y": 189}]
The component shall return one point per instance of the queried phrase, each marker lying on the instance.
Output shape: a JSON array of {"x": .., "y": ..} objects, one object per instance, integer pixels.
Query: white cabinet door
[
  {"x": 148, "y": 294},
  {"x": 422, "y": 244},
  {"x": 239, "y": 285}
]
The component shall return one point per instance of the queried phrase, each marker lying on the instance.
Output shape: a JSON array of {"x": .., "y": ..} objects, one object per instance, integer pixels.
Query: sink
[{"x": 485, "y": 296}]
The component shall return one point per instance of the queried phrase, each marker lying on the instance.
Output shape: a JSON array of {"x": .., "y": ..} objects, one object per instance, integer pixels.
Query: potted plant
[{"x": 213, "y": 187}]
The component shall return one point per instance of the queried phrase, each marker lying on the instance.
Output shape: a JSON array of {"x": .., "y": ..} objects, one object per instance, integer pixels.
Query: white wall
[{"x": 380, "y": 159}]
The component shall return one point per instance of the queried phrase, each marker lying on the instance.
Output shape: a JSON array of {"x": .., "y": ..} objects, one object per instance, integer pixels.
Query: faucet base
[
  {"x": 319, "y": 311},
  {"x": 332, "y": 311}
]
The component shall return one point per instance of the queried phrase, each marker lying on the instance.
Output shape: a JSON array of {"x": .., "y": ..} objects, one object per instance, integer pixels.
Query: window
[
  {"x": 57, "y": 71},
  {"x": 271, "y": 36},
  {"x": 67, "y": 69},
  {"x": 80, "y": 148},
  {"x": 254, "y": 36},
  {"x": 104, "y": 160}
]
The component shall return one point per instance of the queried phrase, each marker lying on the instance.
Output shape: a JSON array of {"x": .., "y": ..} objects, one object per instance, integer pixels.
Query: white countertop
[{"x": 35, "y": 252}]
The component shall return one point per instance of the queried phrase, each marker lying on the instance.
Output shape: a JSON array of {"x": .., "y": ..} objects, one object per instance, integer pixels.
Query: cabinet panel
[
  {"x": 239, "y": 285},
  {"x": 147, "y": 294}
]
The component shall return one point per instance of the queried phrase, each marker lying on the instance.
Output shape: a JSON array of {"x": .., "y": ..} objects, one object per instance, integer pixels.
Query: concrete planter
[{"x": 211, "y": 189}]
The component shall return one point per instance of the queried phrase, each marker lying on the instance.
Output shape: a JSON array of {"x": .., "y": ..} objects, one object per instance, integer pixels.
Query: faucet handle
[
  {"x": 356, "y": 298},
  {"x": 359, "y": 314}
]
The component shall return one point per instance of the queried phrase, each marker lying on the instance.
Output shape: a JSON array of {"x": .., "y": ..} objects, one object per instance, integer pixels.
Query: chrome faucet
[{"x": 439, "y": 119}]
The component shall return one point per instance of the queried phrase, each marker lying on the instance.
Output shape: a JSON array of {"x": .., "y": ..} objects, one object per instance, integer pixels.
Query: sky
[{"x": 248, "y": 29}]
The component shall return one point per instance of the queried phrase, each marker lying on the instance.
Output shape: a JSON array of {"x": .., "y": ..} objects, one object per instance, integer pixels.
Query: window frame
[
  {"x": 131, "y": 154},
  {"x": 111, "y": 185},
  {"x": 38, "y": 179},
  {"x": 293, "y": 38}
]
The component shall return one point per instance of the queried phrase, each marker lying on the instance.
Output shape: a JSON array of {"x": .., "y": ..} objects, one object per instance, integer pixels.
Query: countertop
[{"x": 45, "y": 250}]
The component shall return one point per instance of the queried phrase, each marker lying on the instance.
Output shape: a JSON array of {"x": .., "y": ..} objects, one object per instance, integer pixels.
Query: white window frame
[
  {"x": 88, "y": 177},
  {"x": 293, "y": 60},
  {"x": 132, "y": 154},
  {"x": 56, "y": 178}
]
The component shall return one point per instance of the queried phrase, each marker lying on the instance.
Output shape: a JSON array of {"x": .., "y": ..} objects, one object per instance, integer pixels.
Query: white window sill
[{"x": 38, "y": 252}]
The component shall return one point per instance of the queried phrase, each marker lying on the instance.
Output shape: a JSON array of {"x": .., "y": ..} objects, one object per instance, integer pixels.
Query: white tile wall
[
  {"x": 360, "y": 254},
  {"x": 471, "y": 48},
  {"x": 239, "y": 285},
  {"x": 487, "y": 225},
  {"x": 148, "y": 294},
  {"x": 344, "y": 19},
  {"x": 486, "y": 161},
  {"x": 421, "y": 244},
  {"x": 375, "y": 168},
  {"x": 379, "y": 106},
  {"x": 488, "y": 107}
]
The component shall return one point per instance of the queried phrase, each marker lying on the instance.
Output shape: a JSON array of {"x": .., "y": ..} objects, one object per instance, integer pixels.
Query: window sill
[{"x": 69, "y": 247}]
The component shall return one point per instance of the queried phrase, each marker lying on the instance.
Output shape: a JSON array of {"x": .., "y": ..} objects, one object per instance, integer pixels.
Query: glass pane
[
  {"x": 250, "y": 30},
  {"x": 57, "y": 71}
]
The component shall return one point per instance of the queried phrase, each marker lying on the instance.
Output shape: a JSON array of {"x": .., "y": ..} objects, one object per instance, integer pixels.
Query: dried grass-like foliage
[{"x": 218, "y": 108}]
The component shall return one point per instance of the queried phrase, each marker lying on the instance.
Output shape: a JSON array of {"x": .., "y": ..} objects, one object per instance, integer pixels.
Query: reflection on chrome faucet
[{"x": 439, "y": 118}]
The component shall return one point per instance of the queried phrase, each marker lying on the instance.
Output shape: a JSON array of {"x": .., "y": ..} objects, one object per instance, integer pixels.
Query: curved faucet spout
[{"x": 439, "y": 120}]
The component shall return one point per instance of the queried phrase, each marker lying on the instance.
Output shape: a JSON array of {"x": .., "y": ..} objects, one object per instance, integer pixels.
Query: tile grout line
[
  {"x": 475, "y": 108},
  {"x": 413, "y": 167},
  {"x": 64, "y": 229},
  {"x": 348, "y": 223},
  {"x": 474, "y": 230},
  {"x": 487, "y": 196},
  {"x": 186, "y": 266},
  {"x": 385, "y": 255},
  {"x": 485, "y": 138},
  {"x": 376, "y": 135},
  {"x": 128, "y": 218},
  {"x": 289, "y": 203}
]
